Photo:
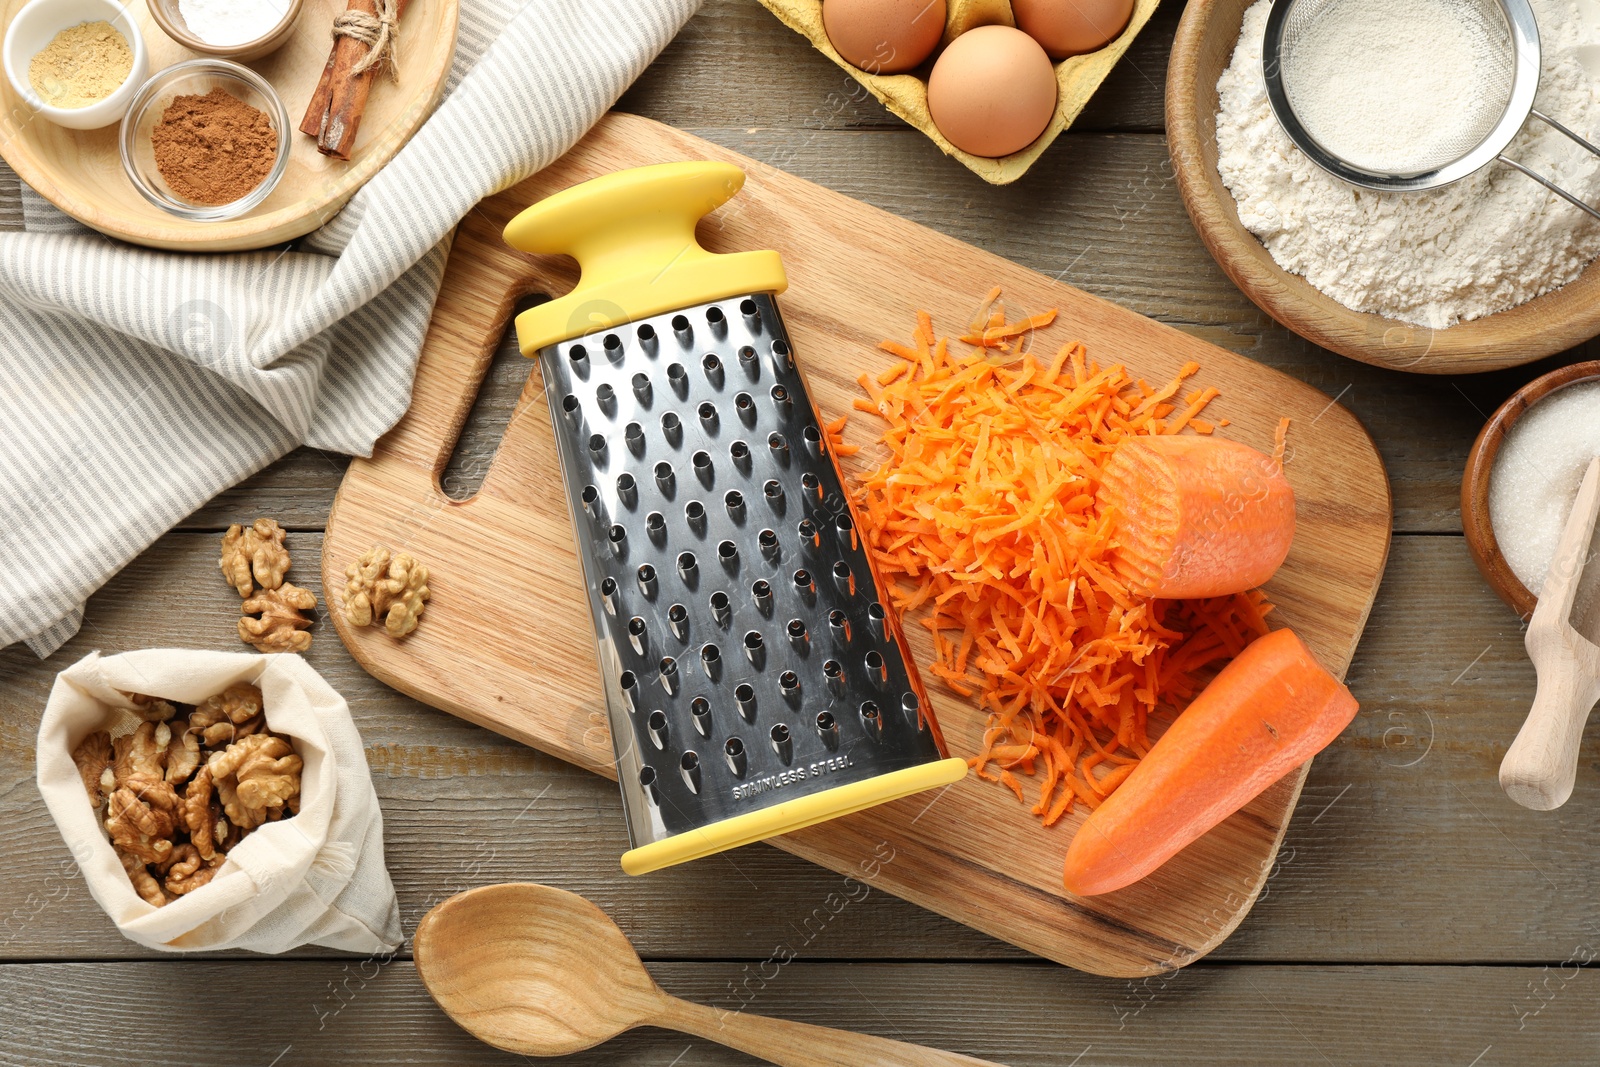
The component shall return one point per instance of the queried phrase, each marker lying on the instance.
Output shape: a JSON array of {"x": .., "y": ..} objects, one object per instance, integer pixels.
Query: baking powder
[
  {"x": 1491, "y": 241},
  {"x": 229, "y": 22}
]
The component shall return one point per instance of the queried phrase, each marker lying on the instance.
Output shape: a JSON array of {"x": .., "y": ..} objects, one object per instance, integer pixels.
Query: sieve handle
[{"x": 1546, "y": 182}]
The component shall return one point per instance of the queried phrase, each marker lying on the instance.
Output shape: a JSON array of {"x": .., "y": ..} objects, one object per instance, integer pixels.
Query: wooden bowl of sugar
[
  {"x": 81, "y": 172},
  {"x": 1548, "y": 324},
  {"x": 1522, "y": 475}
]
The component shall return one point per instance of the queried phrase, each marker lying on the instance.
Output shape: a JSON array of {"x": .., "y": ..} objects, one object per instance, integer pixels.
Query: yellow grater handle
[{"x": 633, "y": 235}]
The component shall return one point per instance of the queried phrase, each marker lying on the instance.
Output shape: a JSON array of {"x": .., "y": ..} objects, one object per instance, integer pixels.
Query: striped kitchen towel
[{"x": 135, "y": 385}]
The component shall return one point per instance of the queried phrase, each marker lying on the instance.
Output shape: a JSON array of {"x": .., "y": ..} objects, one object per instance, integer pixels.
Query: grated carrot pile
[{"x": 983, "y": 521}]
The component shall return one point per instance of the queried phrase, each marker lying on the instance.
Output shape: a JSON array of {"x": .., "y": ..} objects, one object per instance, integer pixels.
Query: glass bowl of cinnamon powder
[{"x": 206, "y": 140}]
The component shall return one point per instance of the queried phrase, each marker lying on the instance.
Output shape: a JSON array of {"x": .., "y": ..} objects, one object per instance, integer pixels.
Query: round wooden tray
[
  {"x": 81, "y": 173},
  {"x": 1549, "y": 324}
]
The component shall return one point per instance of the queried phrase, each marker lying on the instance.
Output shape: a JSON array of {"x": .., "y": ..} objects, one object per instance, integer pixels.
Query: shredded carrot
[{"x": 983, "y": 518}]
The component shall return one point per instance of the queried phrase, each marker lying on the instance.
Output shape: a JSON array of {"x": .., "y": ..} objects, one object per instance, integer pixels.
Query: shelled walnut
[
  {"x": 388, "y": 586},
  {"x": 255, "y": 556},
  {"x": 177, "y": 794}
]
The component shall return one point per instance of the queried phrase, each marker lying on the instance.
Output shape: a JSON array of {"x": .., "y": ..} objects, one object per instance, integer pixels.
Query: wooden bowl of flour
[{"x": 1542, "y": 327}]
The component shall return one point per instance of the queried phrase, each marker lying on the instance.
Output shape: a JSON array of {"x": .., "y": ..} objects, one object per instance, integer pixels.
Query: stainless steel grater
[{"x": 755, "y": 681}]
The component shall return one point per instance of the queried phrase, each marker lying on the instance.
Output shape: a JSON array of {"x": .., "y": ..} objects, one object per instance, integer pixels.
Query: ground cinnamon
[{"x": 214, "y": 149}]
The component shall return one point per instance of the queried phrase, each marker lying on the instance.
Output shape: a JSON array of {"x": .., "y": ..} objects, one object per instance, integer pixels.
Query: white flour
[
  {"x": 231, "y": 22},
  {"x": 1489, "y": 242},
  {"x": 1357, "y": 85}
]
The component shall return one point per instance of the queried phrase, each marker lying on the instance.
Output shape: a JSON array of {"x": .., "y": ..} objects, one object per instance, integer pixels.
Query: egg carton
[{"x": 1077, "y": 77}]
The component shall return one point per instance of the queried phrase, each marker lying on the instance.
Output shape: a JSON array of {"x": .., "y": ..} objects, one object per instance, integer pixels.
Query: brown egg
[
  {"x": 884, "y": 36},
  {"x": 992, "y": 92},
  {"x": 1072, "y": 27}
]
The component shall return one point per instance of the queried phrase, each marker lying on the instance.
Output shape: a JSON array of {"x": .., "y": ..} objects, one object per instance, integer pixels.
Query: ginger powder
[{"x": 83, "y": 65}]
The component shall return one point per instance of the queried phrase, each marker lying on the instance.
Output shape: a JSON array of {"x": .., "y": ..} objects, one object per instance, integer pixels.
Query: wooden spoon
[
  {"x": 1542, "y": 763},
  {"x": 543, "y": 972}
]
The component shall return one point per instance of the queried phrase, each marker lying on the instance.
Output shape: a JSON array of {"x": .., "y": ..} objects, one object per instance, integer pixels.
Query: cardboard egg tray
[{"x": 907, "y": 94}]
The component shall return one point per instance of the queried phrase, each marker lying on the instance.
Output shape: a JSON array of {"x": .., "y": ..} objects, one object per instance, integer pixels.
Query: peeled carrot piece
[
  {"x": 1267, "y": 712},
  {"x": 1195, "y": 516}
]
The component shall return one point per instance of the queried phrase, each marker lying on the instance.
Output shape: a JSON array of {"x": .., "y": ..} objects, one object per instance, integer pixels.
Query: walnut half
[
  {"x": 255, "y": 551},
  {"x": 282, "y": 626},
  {"x": 390, "y": 586}
]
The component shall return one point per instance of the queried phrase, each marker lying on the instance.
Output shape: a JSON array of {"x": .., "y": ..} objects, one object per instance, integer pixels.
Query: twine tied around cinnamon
[{"x": 378, "y": 32}]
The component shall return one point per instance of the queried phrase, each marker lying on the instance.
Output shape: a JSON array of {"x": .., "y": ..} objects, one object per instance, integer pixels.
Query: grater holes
[
  {"x": 655, "y": 526},
  {"x": 745, "y": 406},
  {"x": 694, "y": 513},
  {"x": 761, "y": 592},
  {"x": 744, "y": 695},
  {"x": 721, "y": 608},
  {"x": 700, "y": 709},
  {"x": 703, "y": 469},
  {"x": 782, "y": 744},
  {"x": 715, "y": 316},
  {"x": 608, "y": 595},
  {"x": 678, "y": 378},
  {"x": 668, "y": 674},
  {"x": 872, "y": 719},
  {"x": 578, "y": 356},
  {"x": 748, "y": 309},
  {"x": 634, "y": 436},
  {"x": 656, "y": 728},
  {"x": 688, "y": 567},
  {"x": 813, "y": 440},
  {"x": 877, "y": 668},
  {"x": 755, "y": 649},
  {"x": 789, "y": 686},
  {"x": 590, "y": 496},
  {"x": 804, "y": 585},
  {"x": 647, "y": 580},
  {"x": 680, "y": 324},
  {"x": 606, "y": 397},
  {"x": 728, "y": 555},
  {"x": 780, "y": 448},
  {"x": 646, "y": 334},
  {"x": 845, "y": 527},
  {"x": 689, "y": 767},
  {"x": 809, "y": 538},
  {"x": 636, "y": 634},
  {"x": 811, "y": 484},
  {"x": 733, "y": 752},
  {"x": 629, "y": 682},
  {"x": 767, "y": 541},
  {"x": 839, "y": 626},
  {"x": 828, "y": 729},
  {"x": 733, "y": 500},
  {"x": 780, "y": 399},
  {"x": 618, "y": 537},
  {"x": 711, "y": 661},
  {"x": 739, "y": 453},
  {"x": 647, "y": 782},
  {"x": 597, "y": 449},
  {"x": 833, "y": 676},
  {"x": 677, "y": 620},
  {"x": 772, "y": 489},
  {"x": 749, "y": 361},
  {"x": 844, "y": 579},
  {"x": 666, "y": 477},
  {"x": 627, "y": 489},
  {"x": 672, "y": 428},
  {"x": 642, "y": 388},
  {"x": 572, "y": 407},
  {"x": 799, "y": 639},
  {"x": 780, "y": 348},
  {"x": 713, "y": 368},
  {"x": 876, "y": 617},
  {"x": 708, "y": 416},
  {"x": 613, "y": 347},
  {"x": 910, "y": 704}
]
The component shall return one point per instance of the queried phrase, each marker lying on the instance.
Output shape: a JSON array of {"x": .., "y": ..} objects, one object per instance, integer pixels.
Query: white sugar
[{"x": 1536, "y": 475}]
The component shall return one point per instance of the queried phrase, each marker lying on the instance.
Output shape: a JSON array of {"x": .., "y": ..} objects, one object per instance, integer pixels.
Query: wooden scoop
[
  {"x": 1542, "y": 763},
  {"x": 543, "y": 972}
]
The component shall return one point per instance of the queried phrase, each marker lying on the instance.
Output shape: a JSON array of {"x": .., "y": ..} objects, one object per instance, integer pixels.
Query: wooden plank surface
[{"x": 1399, "y": 876}]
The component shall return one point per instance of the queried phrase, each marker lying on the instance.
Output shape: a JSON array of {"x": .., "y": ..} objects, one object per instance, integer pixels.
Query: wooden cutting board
[{"x": 507, "y": 642}]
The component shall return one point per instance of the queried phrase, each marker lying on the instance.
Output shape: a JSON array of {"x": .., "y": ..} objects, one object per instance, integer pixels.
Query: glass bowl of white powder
[{"x": 240, "y": 30}]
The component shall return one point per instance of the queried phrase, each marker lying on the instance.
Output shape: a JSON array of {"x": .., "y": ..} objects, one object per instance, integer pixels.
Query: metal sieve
[{"x": 1507, "y": 36}]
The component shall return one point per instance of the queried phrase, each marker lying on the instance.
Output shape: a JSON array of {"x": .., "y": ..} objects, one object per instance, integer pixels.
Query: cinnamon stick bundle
[{"x": 334, "y": 114}]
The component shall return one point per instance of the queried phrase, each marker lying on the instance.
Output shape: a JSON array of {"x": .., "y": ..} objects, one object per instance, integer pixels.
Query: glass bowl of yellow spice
[
  {"x": 206, "y": 140},
  {"x": 77, "y": 63}
]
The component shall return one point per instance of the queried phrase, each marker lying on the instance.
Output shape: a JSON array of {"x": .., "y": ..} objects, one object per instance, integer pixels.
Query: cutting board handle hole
[{"x": 505, "y": 375}]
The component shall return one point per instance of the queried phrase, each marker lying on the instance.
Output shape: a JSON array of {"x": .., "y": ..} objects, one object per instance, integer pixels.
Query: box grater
[{"x": 755, "y": 680}]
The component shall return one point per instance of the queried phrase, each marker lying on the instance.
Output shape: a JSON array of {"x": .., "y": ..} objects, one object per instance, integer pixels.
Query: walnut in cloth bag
[{"x": 317, "y": 878}]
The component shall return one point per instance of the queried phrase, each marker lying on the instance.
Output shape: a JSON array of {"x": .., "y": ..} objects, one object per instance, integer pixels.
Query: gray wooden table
[{"x": 1415, "y": 915}]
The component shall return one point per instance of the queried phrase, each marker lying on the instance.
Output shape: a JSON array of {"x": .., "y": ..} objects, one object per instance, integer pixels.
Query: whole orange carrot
[{"x": 1267, "y": 712}]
